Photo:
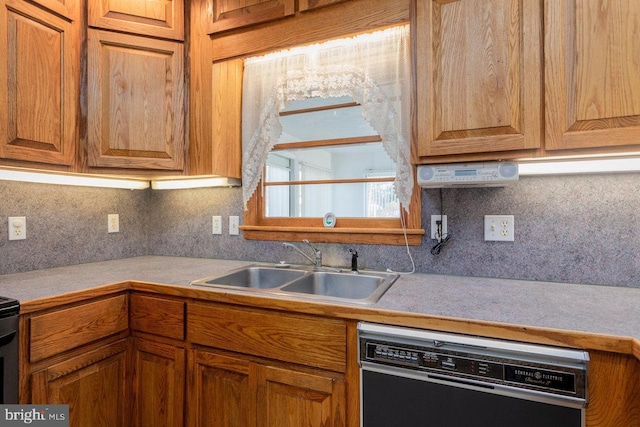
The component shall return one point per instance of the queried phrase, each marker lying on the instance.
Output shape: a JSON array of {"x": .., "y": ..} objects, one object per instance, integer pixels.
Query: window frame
[
  {"x": 376, "y": 231},
  {"x": 389, "y": 231},
  {"x": 383, "y": 231}
]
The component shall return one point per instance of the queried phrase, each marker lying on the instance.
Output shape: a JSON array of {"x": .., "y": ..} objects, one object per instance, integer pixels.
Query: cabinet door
[
  {"x": 93, "y": 385},
  {"x": 135, "y": 102},
  {"x": 158, "y": 388},
  {"x": 221, "y": 391},
  {"x": 215, "y": 144},
  {"x": 478, "y": 65},
  {"x": 232, "y": 14},
  {"x": 160, "y": 18},
  {"x": 592, "y": 74},
  {"x": 39, "y": 84},
  {"x": 290, "y": 398},
  {"x": 67, "y": 8}
]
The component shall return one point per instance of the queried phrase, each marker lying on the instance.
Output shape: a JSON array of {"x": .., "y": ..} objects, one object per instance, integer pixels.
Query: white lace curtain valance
[{"x": 373, "y": 69}]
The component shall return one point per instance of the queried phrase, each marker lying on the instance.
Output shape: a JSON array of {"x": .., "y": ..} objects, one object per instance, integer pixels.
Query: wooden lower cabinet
[
  {"x": 613, "y": 390},
  {"x": 94, "y": 385},
  {"x": 156, "y": 361},
  {"x": 290, "y": 398},
  {"x": 158, "y": 384},
  {"x": 233, "y": 391},
  {"x": 221, "y": 390}
]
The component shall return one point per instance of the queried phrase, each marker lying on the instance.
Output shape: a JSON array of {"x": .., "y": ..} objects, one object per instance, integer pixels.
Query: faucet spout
[
  {"x": 354, "y": 261},
  {"x": 318, "y": 254}
]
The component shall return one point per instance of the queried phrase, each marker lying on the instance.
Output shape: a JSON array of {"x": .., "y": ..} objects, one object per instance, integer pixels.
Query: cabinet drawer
[
  {"x": 300, "y": 339},
  {"x": 68, "y": 328},
  {"x": 157, "y": 316}
]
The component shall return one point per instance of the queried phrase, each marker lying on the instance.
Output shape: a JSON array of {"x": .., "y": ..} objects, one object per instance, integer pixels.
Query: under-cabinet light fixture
[
  {"x": 26, "y": 175},
  {"x": 175, "y": 184},
  {"x": 569, "y": 166}
]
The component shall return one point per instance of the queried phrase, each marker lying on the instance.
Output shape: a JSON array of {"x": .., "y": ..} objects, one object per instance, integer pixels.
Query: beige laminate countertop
[{"x": 588, "y": 316}]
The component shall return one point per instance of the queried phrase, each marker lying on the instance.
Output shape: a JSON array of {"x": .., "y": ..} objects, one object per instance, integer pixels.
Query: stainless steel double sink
[{"x": 323, "y": 284}]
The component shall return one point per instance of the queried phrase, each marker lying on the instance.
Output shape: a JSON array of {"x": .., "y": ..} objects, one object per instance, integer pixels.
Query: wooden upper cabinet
[
  {"x": 159, "y": 18},
  {"x": 592, "y": 74},
  {"x": 216, "y": 119},
  {"x": 305, "y": 5},
  {"x": 66, "y": 8},
  {"x": 39, "y": 84},
  {"x": 479, "y": 75},
  {"x": 135, "y": 102},
  {"x": 232, "y": 14}
]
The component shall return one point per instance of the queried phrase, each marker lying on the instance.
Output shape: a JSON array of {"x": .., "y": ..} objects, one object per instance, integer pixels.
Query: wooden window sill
[{"x": 373, "y": 236}]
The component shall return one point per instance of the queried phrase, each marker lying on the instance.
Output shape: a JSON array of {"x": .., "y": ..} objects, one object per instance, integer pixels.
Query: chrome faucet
[{"x": 318, "y": 254}]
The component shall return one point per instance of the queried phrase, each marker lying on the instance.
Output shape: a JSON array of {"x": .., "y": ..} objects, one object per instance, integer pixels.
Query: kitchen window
[{"x": 326, "y": 129}]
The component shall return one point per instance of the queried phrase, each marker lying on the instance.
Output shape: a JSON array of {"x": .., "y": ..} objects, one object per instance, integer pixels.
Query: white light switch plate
[
  {"x": 216, "y": 224},
  {"x": 234, "y": 223}
]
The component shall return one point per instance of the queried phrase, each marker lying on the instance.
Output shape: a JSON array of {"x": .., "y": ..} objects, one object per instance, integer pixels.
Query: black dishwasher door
[
  {"x": 9, "y": 309},
  {"x": 391, "y": 400}
]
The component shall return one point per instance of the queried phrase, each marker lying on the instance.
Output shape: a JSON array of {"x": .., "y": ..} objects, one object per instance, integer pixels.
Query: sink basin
[
  {"x": 337, "y": 285},
  {"x": 306, "y": 282},
  {"x": 256, "y": 277}
]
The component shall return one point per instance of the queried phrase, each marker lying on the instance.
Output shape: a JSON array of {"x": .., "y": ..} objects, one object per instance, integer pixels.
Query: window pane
[
  {"x": 353, "y": 161},
  {"x": 324, "y": 124},
  {"x": 349, "y": 200},
  {"x": 382, "y": 201},
  {"x": 278, "y": 197},
  {"x": 314, "y": 121}
]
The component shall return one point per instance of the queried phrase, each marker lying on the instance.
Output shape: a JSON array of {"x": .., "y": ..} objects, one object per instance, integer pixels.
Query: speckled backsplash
[{"x": 580, "y": 229}]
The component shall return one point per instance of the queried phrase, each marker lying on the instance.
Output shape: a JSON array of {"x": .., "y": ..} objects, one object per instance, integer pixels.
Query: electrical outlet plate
[
  {"x": 234, "y": 223},
  {"x": 216, "y": 224},
  {"x": 499, "y": 228},
  {"x": 113, "y": 223},
  {"x": 434, "y": 225},
  {"x": 17, "y": 228}
]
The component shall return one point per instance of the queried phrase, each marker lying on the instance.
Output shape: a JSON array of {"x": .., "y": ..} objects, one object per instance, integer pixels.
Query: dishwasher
[
  {"x": 415, "y": 377},
  {"x": 9, "y": 310}
]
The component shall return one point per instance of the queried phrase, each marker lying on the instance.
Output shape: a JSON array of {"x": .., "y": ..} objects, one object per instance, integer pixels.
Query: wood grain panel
[
  {"x": 305, "y": 5},
  {"x": 93, "y": 385},
  {"x": 289, "y": 398},
  {"x": 371, "y": 236},
  {"x": 61, "y": 330},
  {"x": 157, "y": 316},
  {"x": 69, "y": 9},
  {"x": 232, "y": 14},
  {"x": 592, "y": 74},
  {"x": 158, "y": 384},
  {"x": 344, "y": 19},
  {"x": 39, "y": 85},
  {"x": 160, "y": 18},
  {"x": 221, "y": 153},
  {"x": 613, "y": 390},
  {"x": 222, "y": 390},
  {"x": 478, "y": 73},
  {"x": 135, "y": 102},
  {"x": 291, "y": 338}
]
